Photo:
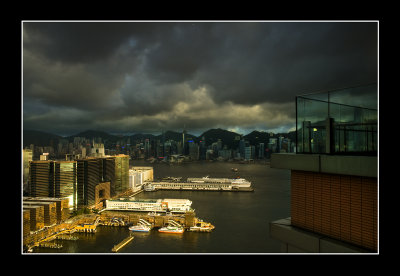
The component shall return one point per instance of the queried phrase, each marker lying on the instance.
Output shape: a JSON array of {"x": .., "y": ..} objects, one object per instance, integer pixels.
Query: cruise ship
[
  {"x": 206, "y": 184},
  {"x": 150, "y": 205},
  {"x": 235, "y": 183}
]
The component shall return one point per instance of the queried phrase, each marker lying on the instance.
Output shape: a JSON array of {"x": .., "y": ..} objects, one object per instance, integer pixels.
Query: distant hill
[
  {"x": 176, "y": 136},
  {"x": 39, "y": 138},
  {"x": 90, "y": 134},
  {"x": 257, "y": 137},
  {"x": 227, "y": 137},
  {"x": 140, "y": 137}
]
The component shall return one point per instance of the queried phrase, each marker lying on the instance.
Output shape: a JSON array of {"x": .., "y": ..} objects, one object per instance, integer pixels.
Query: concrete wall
[
  {"x": 338, "y": 164},
  {"x": 297, "y": 240}
]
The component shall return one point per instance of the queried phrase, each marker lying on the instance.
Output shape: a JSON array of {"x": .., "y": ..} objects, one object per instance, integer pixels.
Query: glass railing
[{"x": 338, "y": 122}]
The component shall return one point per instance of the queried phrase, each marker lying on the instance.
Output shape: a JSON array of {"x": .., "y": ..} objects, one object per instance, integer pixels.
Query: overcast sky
[{"x": 144, "y": 77}]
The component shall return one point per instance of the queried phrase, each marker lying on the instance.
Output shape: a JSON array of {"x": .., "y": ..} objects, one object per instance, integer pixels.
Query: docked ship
[
  {"x": 142, "y": 226},
  {"x": 173, "y": 227},
  {"x": 202, "y": 226},
  {"x": 206, "y": 184},
  {"x": 171, "y": 230},
  {"x": 224, "y": 183}
]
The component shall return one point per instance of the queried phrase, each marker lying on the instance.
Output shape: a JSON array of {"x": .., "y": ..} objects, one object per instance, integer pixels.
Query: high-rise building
[
  {"x": 92, "y": 172},
  {"x": 272, "y": 144},
  {"x": 147, "y": 152},
  {"x": 261, "y": 150},
  {"x": 97, "y": 150},
  {"x": 108, "y": 172},
  {"x": 184, "y": 152},
  {"x": 44, "y": 156},
  {"x": 249, "y": 152},
  {"x": 27, "y": 155},
  {"x": 121, "y": 173},
  {"x": 193, "y": 150},
  {"x": 334, "y": 187},
  {"x": 242, "y": 148},
  {"x": 41, "y": 182},
  {"x": 202, "y": 148},
  {"x": 65, "y": 181},
  {"x": 88, "y": 176}
]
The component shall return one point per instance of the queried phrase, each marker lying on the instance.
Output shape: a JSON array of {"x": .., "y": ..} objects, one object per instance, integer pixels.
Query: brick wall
[{"x": 339, "y": 206}]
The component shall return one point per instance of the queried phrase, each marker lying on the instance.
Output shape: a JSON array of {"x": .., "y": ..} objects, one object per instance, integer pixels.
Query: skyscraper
[
  {"x": 261, "y": 150},
  {"x": 65, "y": 181},
  {"x": 193, "y": 150},
  {"x": 184, "y": 146},
  {"x": 88, "y": 176},
  {"x": 27, "y": 155},
  {"x": 121, "y": 173},
  {"x": 41, "y": 178},
  {"x": 91, "y": 174}
]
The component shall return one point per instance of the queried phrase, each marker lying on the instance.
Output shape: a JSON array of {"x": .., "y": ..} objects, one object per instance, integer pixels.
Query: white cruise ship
[
  {"x": 233, "y": 183},
  {"x": 150, "y": 205}
]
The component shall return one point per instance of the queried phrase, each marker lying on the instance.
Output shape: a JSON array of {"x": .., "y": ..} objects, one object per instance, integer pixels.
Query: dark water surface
[{"x": 241, "y": 218}]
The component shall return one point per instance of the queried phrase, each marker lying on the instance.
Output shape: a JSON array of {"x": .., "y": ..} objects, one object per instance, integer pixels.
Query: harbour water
[{"x": 241, "y": 219}]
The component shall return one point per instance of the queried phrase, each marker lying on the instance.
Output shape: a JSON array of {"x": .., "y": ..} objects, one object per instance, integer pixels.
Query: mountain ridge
[{"x": 41, "y": 138}]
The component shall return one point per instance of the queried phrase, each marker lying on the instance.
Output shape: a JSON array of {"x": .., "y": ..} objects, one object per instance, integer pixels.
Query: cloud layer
[{"x": 146, "y": 76}]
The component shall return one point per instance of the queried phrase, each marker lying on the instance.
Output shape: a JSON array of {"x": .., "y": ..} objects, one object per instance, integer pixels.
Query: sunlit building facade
[
  {"x": 121, "y": 173},
  {"x": 65, "y": 181}
]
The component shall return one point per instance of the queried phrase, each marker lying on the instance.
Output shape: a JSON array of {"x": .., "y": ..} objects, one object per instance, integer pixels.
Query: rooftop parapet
[{"x": 338, "y": 122}]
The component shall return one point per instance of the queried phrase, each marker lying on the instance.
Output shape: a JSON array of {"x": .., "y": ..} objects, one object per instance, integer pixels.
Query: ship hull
[
  {"x": 137, "y": 230},
  {"x": 134, "y": 229}
]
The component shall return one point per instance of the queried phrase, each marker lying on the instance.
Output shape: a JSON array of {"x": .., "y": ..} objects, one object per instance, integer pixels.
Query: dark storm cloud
[
  {"x": 147, "y": 75},
  {"x": 77, "y": 42}
]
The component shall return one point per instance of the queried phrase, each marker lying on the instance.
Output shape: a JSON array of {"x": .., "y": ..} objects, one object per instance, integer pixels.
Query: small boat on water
[
  {"x": 202, "y": 226},
  {"x": 235, "y": 169},
  {"x": 171, "y": 229},
  {"x": 142, "y": 226}
]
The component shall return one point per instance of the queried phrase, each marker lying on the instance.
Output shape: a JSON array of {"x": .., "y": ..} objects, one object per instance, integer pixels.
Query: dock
[{"x": 127, "y": 240}]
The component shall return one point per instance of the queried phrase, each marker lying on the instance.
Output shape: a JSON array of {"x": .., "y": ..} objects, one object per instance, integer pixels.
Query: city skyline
[{"x": 141, "y": 77}]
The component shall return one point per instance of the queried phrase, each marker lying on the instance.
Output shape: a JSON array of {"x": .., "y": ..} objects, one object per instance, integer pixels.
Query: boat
[
  {"x": 202, "y": 226},
  {"x": 171, "y": 229},
  {"x": 235, "y": 169},
  {"x": 200, "y": 229},
  {"x": 140, "y": 228},
  {"x": 149, "y": 188}
]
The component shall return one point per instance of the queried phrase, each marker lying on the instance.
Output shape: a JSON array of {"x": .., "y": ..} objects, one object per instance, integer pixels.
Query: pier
[
  {"x": 50, "y": 245},
  {"x": 127, "y": 240},
  {"x": 155, "y": 219}
]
